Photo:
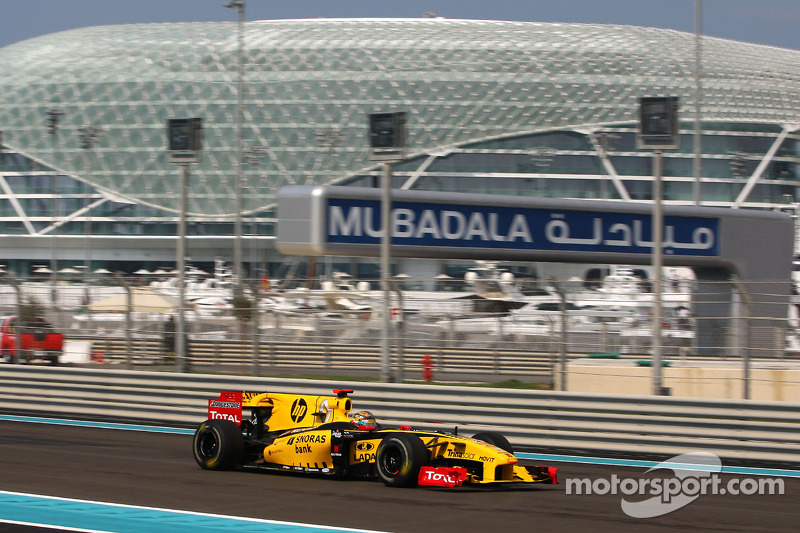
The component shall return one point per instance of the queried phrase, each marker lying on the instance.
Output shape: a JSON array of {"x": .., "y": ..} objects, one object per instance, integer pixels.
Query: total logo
[
  {"x": 217, "y": 415},
  {"x": 442, "y": 476},
  {"x": 436, "y": 476}
]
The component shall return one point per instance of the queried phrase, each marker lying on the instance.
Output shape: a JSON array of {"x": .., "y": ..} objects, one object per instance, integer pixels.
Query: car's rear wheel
[
  {"x": 399, "y": 459},
  {"x": 495, "y": 439},
  {"x": 218, "y": 445}
]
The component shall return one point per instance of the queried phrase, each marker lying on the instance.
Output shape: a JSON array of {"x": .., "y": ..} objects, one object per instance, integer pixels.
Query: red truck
[{"x": 39, "y": 340}]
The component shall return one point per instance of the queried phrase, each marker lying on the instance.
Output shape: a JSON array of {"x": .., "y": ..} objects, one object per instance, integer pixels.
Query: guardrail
[
  {"x": 304, "y": 358},
  {"x": 557, "y": 422}
]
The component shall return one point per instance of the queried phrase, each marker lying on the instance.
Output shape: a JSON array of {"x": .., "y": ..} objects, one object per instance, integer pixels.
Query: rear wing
[
  {"x": 281, "y": 410},
  {"x": 227, "y": 407}
]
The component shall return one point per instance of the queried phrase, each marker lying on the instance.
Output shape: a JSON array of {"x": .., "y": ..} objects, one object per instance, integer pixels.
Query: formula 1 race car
[{"x": 318, "y": 434}]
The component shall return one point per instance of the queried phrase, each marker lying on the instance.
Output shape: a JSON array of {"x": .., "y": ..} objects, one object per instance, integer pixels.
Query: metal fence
[
  {"x": 336, "y": 328},
  {"x": 553, "y": 422}
]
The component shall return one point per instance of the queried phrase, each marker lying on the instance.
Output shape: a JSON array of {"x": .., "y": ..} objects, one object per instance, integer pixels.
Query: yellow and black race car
[{"x": 319, "y": 434}]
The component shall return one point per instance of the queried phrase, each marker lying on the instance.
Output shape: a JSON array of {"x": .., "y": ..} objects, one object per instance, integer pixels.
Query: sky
[{"x": 770, "y": 22}]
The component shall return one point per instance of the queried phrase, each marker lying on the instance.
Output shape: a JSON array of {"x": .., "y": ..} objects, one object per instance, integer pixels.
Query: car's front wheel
[
  {"x": 495, "y": 439},
  {"x": 399, "y": 459},
  {"x": 218, "y": 445}
]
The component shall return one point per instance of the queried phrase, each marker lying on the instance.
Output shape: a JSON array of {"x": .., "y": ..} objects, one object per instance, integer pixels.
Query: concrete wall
[{"x": 769, "y": 381}]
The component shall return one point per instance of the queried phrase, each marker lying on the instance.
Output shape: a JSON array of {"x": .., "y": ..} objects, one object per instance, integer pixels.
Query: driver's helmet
[{"x": 363, "y": 419}]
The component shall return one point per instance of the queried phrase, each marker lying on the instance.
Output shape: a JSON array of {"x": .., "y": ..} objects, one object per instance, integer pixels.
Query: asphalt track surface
[{"x": 157, "y": 470}]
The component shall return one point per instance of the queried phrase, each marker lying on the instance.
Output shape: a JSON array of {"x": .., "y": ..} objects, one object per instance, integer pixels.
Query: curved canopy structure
[{"x": 469, "y": 87}]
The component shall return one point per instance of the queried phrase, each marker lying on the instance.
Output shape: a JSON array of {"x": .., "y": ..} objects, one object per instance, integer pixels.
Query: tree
[
  {"x": 243, "y": 309},
  {"x": 30, "y": 310}
]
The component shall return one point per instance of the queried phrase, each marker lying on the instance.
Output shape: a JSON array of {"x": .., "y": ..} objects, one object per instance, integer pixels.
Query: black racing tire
[
  {"x": 496, "y": 439},
  {"x": 218, "y": 445},
  {"x": 399, "y": 458}
]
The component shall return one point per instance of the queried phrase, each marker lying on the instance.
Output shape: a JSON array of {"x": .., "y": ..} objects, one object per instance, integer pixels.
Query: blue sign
[{"x": 468, "y": 226}]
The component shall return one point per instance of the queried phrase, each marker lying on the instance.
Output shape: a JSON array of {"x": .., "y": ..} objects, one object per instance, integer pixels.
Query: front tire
[
  {"x": 495, "y": 439},
  {"x": 399, "y": 459},
  {"x": 218, "y": 445}
]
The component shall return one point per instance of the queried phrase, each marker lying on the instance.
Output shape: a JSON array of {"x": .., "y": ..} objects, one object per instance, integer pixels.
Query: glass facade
[{"x": 514, "y": 108}]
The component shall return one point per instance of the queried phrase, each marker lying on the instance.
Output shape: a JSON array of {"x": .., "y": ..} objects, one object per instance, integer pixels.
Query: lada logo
[
  {"x": 364, "y": 446},
  {"x": 299, "y": 410}
]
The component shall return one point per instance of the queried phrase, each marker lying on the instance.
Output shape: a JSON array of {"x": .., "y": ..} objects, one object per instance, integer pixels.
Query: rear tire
[
  {"x": 399, "y": 459},
  {"x": 495, "y": 439},
  {"x": 218, "y": 445}
]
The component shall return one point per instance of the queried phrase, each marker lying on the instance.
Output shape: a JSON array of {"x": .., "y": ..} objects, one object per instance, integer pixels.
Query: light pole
[
  {"x": 659, "y": 129},
  {"x": 237, "y": 246},
  {"x": 53, "y": 118},
  {"x": 658, "y": 267},
  {"x": 386, "y": 271},
  {"x": 128, "y": 329},
  {"x": 387, "y": 141},
  {"x": 184, "y": 145},
  {"x": 89, "y": 136},
  {"x": 253, "y": 155},
  {"x": 180, "y": 342},
  {"x": 698, "y": 100}
]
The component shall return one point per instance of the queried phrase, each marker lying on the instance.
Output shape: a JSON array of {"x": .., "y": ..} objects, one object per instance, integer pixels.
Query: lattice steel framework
[{"x": 309, "y": 85}]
